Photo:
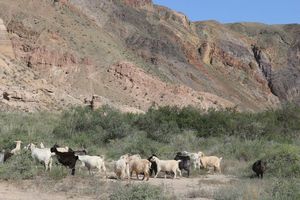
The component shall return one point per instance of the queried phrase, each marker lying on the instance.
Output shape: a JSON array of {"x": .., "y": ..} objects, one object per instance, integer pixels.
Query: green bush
[
  {"x": 165, "y": 131},
  {"x": 19, "y": 166},
  {"x": 283, "y": 161}
]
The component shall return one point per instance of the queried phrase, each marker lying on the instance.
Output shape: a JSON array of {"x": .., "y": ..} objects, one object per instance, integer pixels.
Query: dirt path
[
  {"x": 192, "y": 188},
  {"x": 201, "y": 188},
  {"x": 9, "y": 191}
]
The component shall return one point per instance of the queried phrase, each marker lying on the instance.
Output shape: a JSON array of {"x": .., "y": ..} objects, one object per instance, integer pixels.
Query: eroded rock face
[
  {"x": 135, "y": 54},
  {"x": 21, "y": 89},
  {"x": 146, "y": 90},
  {"x": 138, "y": 3},
  {"x": 5, "y": 43}
]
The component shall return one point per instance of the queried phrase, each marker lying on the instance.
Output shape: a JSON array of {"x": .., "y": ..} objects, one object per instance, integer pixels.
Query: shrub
[
  {"x": 283, "y": 161},
  {"x": 136, "y": 143},
  {"x": 19, "y": 166}
]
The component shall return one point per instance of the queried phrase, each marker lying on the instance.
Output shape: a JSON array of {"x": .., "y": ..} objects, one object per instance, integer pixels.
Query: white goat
[
  {"x": 2, "y": 157},
  {"x": 122, "y": 167},
  {"x": 167, "y": 166},
  {"x": 17, "y": 149},
  {"x": 211, "y": 161},
  {"x": 93, "y": 162},
  {"x": 42, "y": 145},
  {"x": 42, "y": 155},
  {"x": 195, "y": 158}
]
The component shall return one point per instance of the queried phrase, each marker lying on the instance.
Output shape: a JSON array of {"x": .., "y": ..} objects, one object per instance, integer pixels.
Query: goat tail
[{"x": 221, "y": 158}]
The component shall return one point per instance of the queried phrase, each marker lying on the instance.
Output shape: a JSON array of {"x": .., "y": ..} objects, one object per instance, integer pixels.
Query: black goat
[
  {"x": 153, "y": 167},
  {"x": 5, "y": 155},
  {"x": 185, "y": 162},
  {"x": 259, "y": 167},
  {"x": 67, "y": 159}
]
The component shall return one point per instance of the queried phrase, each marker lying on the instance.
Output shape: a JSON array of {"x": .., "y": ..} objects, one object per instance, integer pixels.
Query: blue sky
[{"x": 227, "y": 11}]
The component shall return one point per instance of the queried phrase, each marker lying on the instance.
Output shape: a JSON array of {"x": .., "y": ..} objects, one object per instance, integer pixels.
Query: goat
[
  {"x": 122, "y": 167},
  {"x": 131, "y": 159},
  {"x": 42, "y": 145},
  {"x": 153, "y": 167},
  {"x": 1, "y": 157},
  {"x": 4, "y": 156},
  {"x": 210, "y": 161},
  {"x": 42, "y": 155},
  {"x": 259, "y": 167},
  {"x": 185, "y": 162},
  {"x": 140, "y": 166},
  {"x": 67, "y": 159},
  {"x": 62, "y": 149},
  {"x": 166, "y": 166},
  {"x": 194, "y": 158},
  {"x": 93, "y": 162},
  {"x": 17, "y": 149}
]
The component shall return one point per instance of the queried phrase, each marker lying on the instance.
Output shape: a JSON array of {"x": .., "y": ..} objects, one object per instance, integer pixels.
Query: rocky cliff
[
  {"x": 5, "y": 43},
  {"x": 134, "y": 54}
]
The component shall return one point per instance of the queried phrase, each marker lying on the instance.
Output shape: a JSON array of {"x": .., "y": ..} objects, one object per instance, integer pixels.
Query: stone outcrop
[
  {"x": 138, "y": 3},
  {"x": 5, "y": 43},
  {"x": 146, "y": 90},
  {"x": 22, "y": 90}
]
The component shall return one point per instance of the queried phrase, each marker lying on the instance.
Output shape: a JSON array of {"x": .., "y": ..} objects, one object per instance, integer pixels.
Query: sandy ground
[
  {"x": 9, "y": 191},
  {"x": 183, "y": 188}
]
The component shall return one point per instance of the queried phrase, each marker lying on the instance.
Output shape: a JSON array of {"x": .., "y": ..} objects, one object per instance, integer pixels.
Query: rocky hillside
[{"x": 133, "y": 54}]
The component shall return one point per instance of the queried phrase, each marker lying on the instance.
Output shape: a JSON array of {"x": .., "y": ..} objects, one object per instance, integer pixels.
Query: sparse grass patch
[
  {"x": 57, "y": 173},
  {"x": 285, "y": 189},
  {"x": 235, "y": 167},
  {"x": 199, "y": 193},
  {"x": 267, "y": 189},
  {"x": 243, "y": 190},
  {"x": 141, "y": 191}
]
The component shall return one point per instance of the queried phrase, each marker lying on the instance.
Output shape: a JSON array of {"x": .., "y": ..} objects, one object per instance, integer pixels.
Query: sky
[{"x": 228, "y": 11}]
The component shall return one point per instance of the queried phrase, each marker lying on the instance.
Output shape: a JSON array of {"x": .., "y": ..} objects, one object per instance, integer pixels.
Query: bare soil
[
  {"x": 202, "y": 187},
  {"x": 10, "y": 191}
]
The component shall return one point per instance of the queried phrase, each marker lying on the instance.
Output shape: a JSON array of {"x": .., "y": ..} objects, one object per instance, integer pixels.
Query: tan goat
[
  {"x": 140, "y": 166},
  {"x": 210, "y": 161}
]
